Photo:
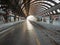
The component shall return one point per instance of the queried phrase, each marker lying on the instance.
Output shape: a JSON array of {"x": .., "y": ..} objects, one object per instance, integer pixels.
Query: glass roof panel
[
  {"x": 45, "y": 2},
  {"x": 54, "y": 12},
  {"x": 57, "y": 1},
  {"x": 50, "y": 12},
  {"x": 50, "y": 3},
  {"x": 58, "y": 10},
  {"x": 46, "y": 5}
]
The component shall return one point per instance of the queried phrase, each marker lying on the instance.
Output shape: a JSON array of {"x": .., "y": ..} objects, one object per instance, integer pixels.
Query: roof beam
[{"x": 51, "y": 9}]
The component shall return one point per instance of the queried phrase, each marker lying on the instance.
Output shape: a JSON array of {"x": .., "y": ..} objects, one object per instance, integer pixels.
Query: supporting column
[
  {"x": 27, "y": 6},
  {"x": 51, "y": 20},
  {"x": 15, "y": 18}
]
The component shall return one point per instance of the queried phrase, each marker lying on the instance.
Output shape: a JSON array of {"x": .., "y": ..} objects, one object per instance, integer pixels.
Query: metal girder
[
  {"x": 24, "y": 3},
  {"x": 48, "y": 4},
  {"x": 52, "y": 2},
  {"x": 36, "y": 3},
  {"x": 56, "y": 14},
  {"x": 31, "y": 3},
  {"x": 27, "y": 6},
  {"x": 51, "y": 9},
  {"x": 39, "y": 1},
  {"x": 45, "y": 6}
]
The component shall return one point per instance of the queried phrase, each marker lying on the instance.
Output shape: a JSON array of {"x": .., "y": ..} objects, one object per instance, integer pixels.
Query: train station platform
[
  {"x": 29, "y": 33},
  {"x": 29, "y": 22},
  {"x": 54, "y": 26}
]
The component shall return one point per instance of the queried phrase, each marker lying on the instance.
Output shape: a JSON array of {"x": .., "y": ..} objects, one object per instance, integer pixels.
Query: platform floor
[{"x": 33, "y": 33}]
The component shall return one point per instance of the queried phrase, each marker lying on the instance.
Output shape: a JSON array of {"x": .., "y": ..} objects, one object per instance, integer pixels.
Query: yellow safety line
[
  {"x": 37, "y": 41},
  {"x": 36, "y": 38}
]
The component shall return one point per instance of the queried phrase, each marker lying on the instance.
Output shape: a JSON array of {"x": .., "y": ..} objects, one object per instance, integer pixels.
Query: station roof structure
[{"x": 31, "y": 7}]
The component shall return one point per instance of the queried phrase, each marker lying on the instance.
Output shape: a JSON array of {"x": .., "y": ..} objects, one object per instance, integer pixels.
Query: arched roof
[{"x": 47, "y": 4}]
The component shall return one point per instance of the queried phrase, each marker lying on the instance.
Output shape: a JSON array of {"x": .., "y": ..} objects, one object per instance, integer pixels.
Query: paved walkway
[
  {"x": 6, "y": 25},
  {"x": 53, "y": 26}
]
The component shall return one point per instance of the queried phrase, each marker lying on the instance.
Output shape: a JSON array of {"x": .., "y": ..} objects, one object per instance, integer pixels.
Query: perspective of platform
[{"x": 29, "y": 22}]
